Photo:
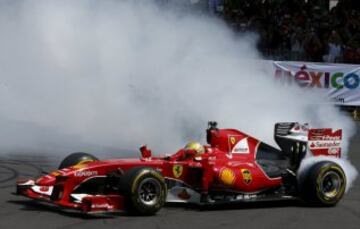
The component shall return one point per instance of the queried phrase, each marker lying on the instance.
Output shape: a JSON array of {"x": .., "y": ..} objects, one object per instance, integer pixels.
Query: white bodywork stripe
[{"x": 37, "y": 189}]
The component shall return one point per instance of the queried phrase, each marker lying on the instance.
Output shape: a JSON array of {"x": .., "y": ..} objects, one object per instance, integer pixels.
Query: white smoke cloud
[
  {"x": 112, "y": 75},
  {"x": 349, "y": 170}
]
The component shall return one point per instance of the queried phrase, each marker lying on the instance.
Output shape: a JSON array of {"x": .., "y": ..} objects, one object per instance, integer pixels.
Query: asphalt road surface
[{"x": 19, "y": 212}]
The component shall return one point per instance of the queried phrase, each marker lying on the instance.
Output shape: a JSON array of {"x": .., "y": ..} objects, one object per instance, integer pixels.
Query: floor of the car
[{"x": 273, "y": 168}]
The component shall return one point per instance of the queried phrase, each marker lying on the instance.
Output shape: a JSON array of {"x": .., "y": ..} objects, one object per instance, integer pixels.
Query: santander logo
[{"x": 242, "y": 147}]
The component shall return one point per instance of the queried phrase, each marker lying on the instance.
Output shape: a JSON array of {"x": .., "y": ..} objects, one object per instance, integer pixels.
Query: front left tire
[{"x": 144, "y": 189}]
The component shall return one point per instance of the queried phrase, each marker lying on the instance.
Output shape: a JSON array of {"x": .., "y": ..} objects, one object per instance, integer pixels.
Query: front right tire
[{"x": 78, "y": 158}]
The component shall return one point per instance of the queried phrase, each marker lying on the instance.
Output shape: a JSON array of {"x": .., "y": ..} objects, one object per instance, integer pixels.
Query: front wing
[{"x": 55, "y": 195}]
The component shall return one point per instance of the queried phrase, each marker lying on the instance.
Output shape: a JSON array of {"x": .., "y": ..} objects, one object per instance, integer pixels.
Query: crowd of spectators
[{"x": 297, "y": 29}]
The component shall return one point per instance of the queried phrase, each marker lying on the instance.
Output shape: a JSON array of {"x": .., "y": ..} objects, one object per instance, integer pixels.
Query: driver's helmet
[{"x": 196, "y": 146}]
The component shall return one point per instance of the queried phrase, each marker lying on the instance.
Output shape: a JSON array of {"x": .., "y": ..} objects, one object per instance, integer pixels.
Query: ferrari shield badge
[
  {"x": 247, "y": 178},
  {"x": 177, "y": 170}
]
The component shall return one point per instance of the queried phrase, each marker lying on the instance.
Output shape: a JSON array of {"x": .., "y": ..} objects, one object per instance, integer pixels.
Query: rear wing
[
  {"x": 296, "y": 139},
  {"x": 325, "y": 142}
]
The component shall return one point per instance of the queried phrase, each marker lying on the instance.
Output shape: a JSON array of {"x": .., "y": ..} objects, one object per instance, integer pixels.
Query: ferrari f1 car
[{"x": 234, "y": 167}]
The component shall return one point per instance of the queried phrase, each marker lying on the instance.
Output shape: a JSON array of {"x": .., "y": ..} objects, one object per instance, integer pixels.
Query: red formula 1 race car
[{"x": 233, "y": 167}]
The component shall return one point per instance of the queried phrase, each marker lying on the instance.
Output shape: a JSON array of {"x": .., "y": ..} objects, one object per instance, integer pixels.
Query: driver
[
  {"x": 194, "y": 150},
  {"x": 207, "y": 174},
  {"x": 196, "y": 147}
]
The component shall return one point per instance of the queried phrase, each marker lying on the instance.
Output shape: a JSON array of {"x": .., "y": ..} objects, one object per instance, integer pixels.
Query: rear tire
[
  {"x": 76, "y": 159},
  {"x": 324, "y": 184},
  {"x": 144, "y": 189}
]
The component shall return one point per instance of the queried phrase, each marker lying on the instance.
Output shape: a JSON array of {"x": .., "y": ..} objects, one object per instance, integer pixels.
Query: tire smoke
[
  {"x": 349, "y": 169},
  {"x": 108, "y": 76}
]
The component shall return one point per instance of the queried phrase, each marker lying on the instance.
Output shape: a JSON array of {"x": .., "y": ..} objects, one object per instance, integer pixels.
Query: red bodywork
[{"x": 229, "y": 164}]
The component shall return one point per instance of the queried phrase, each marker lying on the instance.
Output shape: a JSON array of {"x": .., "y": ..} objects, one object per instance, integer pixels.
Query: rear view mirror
[{"x": 145, "y": 152}]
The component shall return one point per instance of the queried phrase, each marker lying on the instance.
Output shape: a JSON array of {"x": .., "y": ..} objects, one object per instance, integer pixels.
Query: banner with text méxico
[{"x": 341, "y": 82}]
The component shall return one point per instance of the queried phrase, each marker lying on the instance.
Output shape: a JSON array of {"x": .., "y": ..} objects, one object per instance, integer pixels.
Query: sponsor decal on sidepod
[{"x": 85, "y": 173}]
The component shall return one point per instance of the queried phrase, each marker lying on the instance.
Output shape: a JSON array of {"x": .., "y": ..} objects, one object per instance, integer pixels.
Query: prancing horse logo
[{"x": 177, "y": 170}]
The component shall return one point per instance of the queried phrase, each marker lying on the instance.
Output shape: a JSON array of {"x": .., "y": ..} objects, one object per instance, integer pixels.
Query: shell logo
[{"x": 227, "y": 176}]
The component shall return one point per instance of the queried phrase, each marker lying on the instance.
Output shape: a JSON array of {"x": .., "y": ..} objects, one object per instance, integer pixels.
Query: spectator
[
  {"x": 334, "y": 48},
  {"x": 308, "y": 30},
  {"x": 313, "y": 46},
  {"x": 297, "y": 46}
]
